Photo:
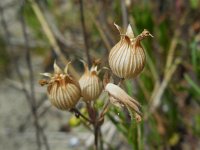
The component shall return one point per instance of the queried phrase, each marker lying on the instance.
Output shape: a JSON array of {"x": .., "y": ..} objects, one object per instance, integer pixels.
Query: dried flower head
[
  {"x": 63, "y": 91},
  {"x": 90, "y": 83},
  {"x": 120, "y": 98},
  {"x": 127, "y": 57}
]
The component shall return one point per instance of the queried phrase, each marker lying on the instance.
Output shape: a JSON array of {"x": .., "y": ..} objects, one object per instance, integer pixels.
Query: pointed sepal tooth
[
  {"x": 67, "y": 67},
  {"x": 56, "y": 68},
  {"x": 129, "y": 32}
]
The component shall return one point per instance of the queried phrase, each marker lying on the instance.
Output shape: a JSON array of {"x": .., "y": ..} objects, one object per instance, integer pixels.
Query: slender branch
[
  {"x": 78, "y": 113},
  {"x": 170, "y": 55},
  {"x": 101, "y": 139},
  {"x": 124, "y": 13},
  {"x": 94, "y": 120},
  {"x": 101, "y": 32},
  {"x": 160, "y": 91},
  {"x": 103, "y": 112},
  {"x": 11, "y": 52},
  {"x": 31, "y": 78},
  {"x": 121, "y": 81},
  {"x": 86, "y": 125},
  {"x": 96, "y": 136},
  {"x": 49, "y": 34},
  {"x": 99, "y": 18},
  {"x": 26, "y": 93},
  {"x": 27, "y": 119},
  {"x": 85, "y": 33},
  {"x": 44, "y": 138}
]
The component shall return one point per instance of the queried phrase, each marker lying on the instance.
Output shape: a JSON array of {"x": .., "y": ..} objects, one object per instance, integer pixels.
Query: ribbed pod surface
[
  {"x": 127, "y": 57},
  {"x": 64, "y": 96},
  {"x": 90, "y": 83}
]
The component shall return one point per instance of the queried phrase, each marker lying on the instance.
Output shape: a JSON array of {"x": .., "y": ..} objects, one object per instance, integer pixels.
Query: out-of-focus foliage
[{"x": 175, "y": 25}]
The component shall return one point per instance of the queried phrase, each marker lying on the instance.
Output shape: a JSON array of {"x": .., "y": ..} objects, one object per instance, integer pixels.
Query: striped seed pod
[
  {"x": 90, "y": 83},
  {"x": 127, "y": 57},
  {"x": 63, "y": 91}
]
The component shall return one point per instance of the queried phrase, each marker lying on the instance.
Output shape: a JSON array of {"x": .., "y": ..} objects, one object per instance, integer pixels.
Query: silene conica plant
[{"x": 126, "y": 60}]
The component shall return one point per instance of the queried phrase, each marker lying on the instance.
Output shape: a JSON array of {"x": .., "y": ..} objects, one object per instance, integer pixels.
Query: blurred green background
[{"x": 35, "y": 33}]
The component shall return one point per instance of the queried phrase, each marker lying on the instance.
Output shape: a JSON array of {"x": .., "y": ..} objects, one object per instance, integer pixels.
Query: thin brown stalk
[
  {"x": 31, "y": 80},
  {"x": 101, "y": 32},
  {"x": 50, "y": 36},
  {"x": 78, "y": 113},
  {"x": 101, "y": 139},
  {"x": 86, "y": 125},
  {"x": 85, "y": 33},
  {"x": 96, "y": 128},
  {"x": 104, "y": 110},
  {"x": 96, "y": 136},
  {"x": 44, "y": 137},
  {"x": 124, "y": 13},
  {"x": 11, "y": 52},
  {"x": 121, "y": 81},
  {"x": 28, "y": 118},
  {"x": 28, "y": 96},
  {"x": 94, "y": 120}
]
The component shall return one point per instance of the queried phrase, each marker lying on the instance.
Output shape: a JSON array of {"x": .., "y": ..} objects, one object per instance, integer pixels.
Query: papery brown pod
[
  {"x": 127, "y": 57},
  {"x": 63, "y": 91},
  {"x": 120, "y": 98},
  {"x": 91, "y": 85}
]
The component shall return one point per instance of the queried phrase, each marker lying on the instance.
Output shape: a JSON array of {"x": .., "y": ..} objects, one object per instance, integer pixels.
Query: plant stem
[
  {"x": 121, "y": 81},
  {"x": 96, "y": 135},
  {"x": 156, "y": 100},
  {"x": 32, "y": 89},
  {"x": 104, "y": 110},
  {"x": 95, "y": 122},
  {"x": 78, "y": 113},
  {"x": 101, "y": 32},
  {"x": 85, "y": 33},
  {"x": 124, "y": 13},
  {"x": 50, "y": 36}
]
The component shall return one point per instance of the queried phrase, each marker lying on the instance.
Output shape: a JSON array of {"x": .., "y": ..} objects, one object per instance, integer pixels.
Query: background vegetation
[{"x": 35, "y": 33}]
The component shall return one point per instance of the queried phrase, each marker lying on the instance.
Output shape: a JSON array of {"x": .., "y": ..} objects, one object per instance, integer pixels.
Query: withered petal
[
  {"x": 119, "y": 95},
  {"x": 46, "y": 74}
]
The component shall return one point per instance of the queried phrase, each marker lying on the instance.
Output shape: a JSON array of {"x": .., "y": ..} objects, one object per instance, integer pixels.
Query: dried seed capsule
[
  {"x": 90, "y": 83},
  {"x": 127, "y": 57},
  {"x": 120, "y": 98},
  {"x": 63, "y": 91}
]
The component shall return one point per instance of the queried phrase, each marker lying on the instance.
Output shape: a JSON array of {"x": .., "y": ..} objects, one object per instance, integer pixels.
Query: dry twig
[
  {"x": 50, "y": 36},
  {"x": 39, "y": 129},
  {"x": 85, "y": 37}
]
